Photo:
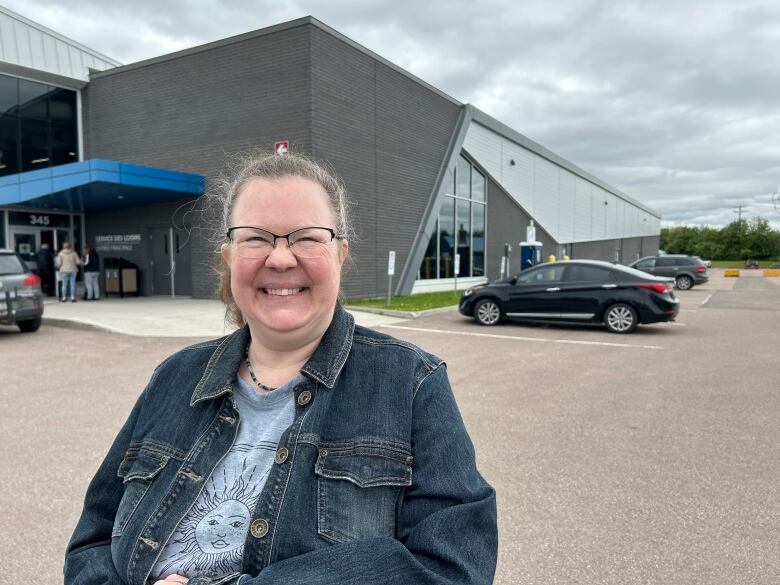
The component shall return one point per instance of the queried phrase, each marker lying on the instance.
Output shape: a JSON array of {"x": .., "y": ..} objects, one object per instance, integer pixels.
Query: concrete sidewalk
[{"x": 159, "y": 316}]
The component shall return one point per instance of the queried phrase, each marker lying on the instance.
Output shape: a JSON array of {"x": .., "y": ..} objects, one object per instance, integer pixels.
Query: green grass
[
  {"x": 741, "y": 263},
  {"x": 419, "y": 302}
]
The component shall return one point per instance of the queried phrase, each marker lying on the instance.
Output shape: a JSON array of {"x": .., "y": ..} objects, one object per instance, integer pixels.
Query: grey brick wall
[
  {"x": 506, "y": 223},
  {"x": 386, "y": 135},
  {"x": 189, "y": 112}
]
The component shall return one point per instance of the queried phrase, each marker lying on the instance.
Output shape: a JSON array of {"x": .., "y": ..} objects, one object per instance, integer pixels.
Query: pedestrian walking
[
  {"x": 46, "y": 270},
  {"x": 68, "y": 262},
  {"x": 91, "y": 273}
]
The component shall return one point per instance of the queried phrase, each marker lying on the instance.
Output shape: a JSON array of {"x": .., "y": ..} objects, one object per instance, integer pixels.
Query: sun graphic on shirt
[{"x": 210, "y": 539}]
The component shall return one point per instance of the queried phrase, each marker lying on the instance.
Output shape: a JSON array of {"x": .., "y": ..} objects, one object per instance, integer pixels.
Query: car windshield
[{"x": 10, "y": 264}]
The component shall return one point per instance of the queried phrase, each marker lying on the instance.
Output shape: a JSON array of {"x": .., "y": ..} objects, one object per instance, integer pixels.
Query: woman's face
[{"x": 285, "y": 299}]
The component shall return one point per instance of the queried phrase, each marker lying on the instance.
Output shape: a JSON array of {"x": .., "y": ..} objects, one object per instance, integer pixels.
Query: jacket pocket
[
  {"x": 358, "y": 488},
  {"x": 138, "y": 469}
]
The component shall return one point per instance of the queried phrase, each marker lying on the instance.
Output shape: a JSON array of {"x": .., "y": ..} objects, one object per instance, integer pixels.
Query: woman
[
  {"x": 299, "y": 449},
  {"x": 67, "y": 262}
]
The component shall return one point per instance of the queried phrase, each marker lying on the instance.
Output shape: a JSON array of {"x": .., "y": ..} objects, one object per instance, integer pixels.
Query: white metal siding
[
  {"x": 26, "y": 44},
  {"x": 569, "y": 207}
]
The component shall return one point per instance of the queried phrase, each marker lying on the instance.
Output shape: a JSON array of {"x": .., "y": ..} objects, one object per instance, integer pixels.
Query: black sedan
[{"x": 575, "y": 291}]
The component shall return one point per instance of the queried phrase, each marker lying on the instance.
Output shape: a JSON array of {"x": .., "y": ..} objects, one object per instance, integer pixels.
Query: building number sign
[{"x": 39, "y": 219}]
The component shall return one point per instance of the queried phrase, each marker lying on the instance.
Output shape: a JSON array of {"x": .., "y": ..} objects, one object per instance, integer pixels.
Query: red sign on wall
[{"x": 282, "y": 147}]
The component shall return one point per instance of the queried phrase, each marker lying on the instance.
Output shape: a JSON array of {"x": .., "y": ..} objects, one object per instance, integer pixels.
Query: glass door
[{"x": 25, "y": 242}]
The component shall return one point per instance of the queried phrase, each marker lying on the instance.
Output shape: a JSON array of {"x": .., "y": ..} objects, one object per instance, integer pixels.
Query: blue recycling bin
[{"x": 530, "y": 254}]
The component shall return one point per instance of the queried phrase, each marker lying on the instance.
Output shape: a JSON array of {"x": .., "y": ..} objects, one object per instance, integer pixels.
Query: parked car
[
  {"x": 750, "y": 263},
  {"x": 686, "y": 271},
  {"x": 579, "y": 291},
  {"x": 21, "y": 299}
]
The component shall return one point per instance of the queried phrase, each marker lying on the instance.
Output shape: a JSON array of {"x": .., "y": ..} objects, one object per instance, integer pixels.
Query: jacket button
[
  {"x": 259, "y": 528},
  {"x": 281, "y": 455},
  {"x": 304, "y": 398}
]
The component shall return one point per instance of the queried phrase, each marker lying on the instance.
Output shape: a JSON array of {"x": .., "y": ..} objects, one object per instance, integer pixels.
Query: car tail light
[
  {"x": 32, "y": 280},
  {"x": 701, "y": 268},
  {"x": 659, "y": 287}
]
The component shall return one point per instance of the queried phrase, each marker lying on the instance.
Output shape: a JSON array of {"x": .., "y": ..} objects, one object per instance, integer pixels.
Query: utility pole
[{"x": 739, "y": 211}]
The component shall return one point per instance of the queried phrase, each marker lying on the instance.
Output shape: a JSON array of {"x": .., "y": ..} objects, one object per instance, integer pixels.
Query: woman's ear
[
  {"x": 224, "y": 249},
  {"x": 343, "y": 251}
]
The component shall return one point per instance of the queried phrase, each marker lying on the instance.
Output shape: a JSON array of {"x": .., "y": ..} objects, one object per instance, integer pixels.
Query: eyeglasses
[{"x": 257, "y": 243}]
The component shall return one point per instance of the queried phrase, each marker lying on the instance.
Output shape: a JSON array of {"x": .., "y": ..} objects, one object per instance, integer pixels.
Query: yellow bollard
[
  {"x": 566, "y": 258},
  {"x": 731, "y": 272},
  {"x": 551, "y": 258}
]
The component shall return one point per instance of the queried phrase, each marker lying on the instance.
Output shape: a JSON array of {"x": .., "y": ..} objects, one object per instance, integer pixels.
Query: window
[
  {"x": 544, "y": 275},
  {"x": 579, "y": 273},
  {"x": 645, "y": 264},
  {"x": 460, "y": 226},
  {"x": 665, "y": 262},
  {"x": 38, "y": 125}
]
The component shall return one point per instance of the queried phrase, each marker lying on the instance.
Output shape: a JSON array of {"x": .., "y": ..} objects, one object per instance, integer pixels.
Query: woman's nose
[{"x": 281, "y": 257}]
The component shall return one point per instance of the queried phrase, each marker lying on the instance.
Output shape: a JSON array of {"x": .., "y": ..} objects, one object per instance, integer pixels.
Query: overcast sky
[{"x": 674, "y": 103}]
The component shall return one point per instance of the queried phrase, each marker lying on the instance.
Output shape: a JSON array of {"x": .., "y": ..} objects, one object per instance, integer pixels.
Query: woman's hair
[{"x": 243, "y": 168}]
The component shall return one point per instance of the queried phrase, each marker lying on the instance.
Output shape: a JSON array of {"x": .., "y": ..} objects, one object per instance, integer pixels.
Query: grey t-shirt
[{"x": 209, "y": 540}]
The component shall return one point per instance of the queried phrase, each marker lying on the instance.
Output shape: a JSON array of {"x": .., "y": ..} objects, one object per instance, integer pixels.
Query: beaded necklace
[{"x": 252, "y": 373}]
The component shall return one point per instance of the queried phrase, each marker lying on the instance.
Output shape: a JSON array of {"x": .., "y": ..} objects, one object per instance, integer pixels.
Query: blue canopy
[{"x": 97, "y": 185}]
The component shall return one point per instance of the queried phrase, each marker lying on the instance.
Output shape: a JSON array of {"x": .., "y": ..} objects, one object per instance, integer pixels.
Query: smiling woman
[{"x": 300, "y": 449}]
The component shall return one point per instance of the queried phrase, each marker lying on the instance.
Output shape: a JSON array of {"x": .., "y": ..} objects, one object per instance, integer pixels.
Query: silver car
[{"x": 21, "y": 299}]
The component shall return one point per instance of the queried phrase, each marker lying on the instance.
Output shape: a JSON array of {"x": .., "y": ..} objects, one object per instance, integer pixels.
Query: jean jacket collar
[{"x": 324, "y": 365}]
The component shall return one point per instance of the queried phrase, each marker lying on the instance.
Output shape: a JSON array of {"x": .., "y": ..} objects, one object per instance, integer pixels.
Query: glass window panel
[
  {"x": 478, "y": 233},
  {"x": 9, "y": 94},
  {"x": 428, "y": 267},
  {"x": 463, "y": 221},
  {"x": 449, "y": 182},
  {"x": 477, "y": 185},
  {"x": 33, "y": 99},
  {"x": 447, "y": 238},
  {"x": 463, "y": 177},
  {"x": 9, "y": 144},
  {"x": 62, "y": 106},
  {"x": 64, "y": 148},
  {"x": 579, "y": 273},
  {"x": 35, "y": 144}
]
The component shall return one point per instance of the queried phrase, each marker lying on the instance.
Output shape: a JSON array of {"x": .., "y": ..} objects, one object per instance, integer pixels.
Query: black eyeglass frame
[{"x": 286, "y": 236}]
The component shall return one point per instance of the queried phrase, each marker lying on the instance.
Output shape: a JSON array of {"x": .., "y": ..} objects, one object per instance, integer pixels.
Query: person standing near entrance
[
  {"x": 68, "y": 262},
  {"x": 46, "y": 270},
  {"x": 91, "y": 273}
]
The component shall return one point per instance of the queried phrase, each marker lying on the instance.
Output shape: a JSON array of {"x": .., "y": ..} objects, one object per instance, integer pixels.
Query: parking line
[
  {"x": 704, "y": 302},
  {"x": 518, "y": 338}
]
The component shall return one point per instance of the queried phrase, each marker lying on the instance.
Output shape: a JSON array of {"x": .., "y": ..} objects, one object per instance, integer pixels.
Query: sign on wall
[
  {"x": 281, "y": 147},
  {"x": 117, "y": 242}
]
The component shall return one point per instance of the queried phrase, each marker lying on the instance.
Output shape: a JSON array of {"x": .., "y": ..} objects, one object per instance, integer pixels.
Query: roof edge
[
  {"x": 491, "y": 123},
  {"x": 59, "y": 36}
]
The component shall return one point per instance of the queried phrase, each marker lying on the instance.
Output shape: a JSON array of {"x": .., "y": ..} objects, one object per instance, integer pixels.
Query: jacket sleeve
[
  {"x": 447, "y": 527},
  {"x": 88, "y": 556}
]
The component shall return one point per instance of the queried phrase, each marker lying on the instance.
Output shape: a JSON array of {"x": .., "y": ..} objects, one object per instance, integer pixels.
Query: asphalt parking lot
[{"x": 646, "y": 458}]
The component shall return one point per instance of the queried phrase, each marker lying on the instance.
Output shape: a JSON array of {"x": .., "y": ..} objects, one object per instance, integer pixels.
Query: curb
[
  {"x": 75, "y": 324},
  {"x": 402, "y": 314}
]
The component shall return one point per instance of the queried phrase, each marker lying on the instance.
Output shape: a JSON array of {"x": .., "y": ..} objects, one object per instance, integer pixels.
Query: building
[{"x": 118, "y": 155}]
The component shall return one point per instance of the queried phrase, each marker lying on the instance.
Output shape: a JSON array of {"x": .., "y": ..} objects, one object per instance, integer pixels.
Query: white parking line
[
  {"x": 518, "y": 338},
  {"x": 704, "y": 302}
]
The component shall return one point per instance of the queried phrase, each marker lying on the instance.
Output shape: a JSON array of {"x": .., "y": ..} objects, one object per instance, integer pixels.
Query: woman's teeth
[{"x": 283, "y": 292}]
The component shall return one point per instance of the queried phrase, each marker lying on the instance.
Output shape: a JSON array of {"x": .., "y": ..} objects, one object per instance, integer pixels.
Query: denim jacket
[{"x": 374, "y": 482}]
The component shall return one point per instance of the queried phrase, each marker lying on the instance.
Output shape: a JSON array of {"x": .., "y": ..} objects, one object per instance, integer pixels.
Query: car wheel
[
  {"x": 29, "y": 326},
  {"x": 487, "y": 312},
  {"x": 620, "y": 318},
  {"x": 684, "y": 282}
]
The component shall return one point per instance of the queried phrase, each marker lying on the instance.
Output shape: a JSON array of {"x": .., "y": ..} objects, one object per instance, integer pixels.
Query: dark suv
[
  {"x": 21, "y": 300},
  {"x": 686, "y": 270}
]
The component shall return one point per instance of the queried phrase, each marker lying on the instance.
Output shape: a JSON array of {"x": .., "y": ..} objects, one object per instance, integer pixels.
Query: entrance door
[
  {"x": 25, "y": 242},
  {"x": 170, "y": 261},
  {"x": 161, "y": 261}
]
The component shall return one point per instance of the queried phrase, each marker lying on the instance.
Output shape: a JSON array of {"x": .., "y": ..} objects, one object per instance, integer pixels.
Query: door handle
[
  {"x": 608, "y": 286},
  {"x": 553, "y": 289}
]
